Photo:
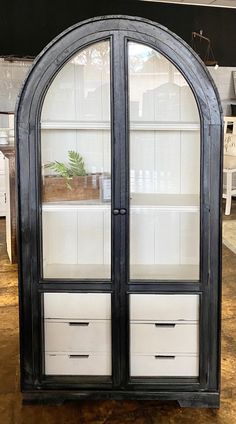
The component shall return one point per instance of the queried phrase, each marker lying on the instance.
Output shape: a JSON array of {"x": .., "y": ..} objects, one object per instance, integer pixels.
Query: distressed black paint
[{"x": 189, "y": 392}]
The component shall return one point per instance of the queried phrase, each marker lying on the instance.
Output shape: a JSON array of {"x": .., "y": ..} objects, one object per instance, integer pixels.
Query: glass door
[
  {"x": 76, "y": 168},
  {"x": 76, "y": 215},
  {"x": 164, "y": 145},
  {"x": 164, "y": 170}
]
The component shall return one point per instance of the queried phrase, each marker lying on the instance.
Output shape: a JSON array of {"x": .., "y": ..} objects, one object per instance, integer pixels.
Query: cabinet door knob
[
  {"x": 116, "y": 211},
  {"x": 123, "y": 211}
]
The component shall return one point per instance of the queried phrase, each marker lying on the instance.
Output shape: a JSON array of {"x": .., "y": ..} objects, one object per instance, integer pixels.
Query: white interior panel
[
  {"x": 188, "y": 105},
  {"x": 167, "y": 102},
  {"x": 167, "y": 157},
  {"x": 190, "y": 162},
  {"x": 59, "y": 103},
  {"x": 90, "y": 237},
  {"x": 60, "y": 240},
  {"x": 167, "y": 237},
  {"x": 142, "y": 240},
  {"x": 94, "y": 146},
  {"x": 161, "y": 307},
  {"x": 160, "y": 237},
  {"x": 56, "y": 144},
  {"x": 77, "y": 306},
  {"x": 189, "y": 238},
  {"x": 107, "y": 237},
  {"x": 81, "y": 89},
  {"x": 142, "y": 165},
  {"x": 76, "y": 237}
]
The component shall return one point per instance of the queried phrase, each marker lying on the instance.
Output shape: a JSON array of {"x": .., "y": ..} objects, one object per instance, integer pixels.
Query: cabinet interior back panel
[
  {"x": 158, "y": 91},
  {"x": 164, "y": 162},
  {"x": 164, "y": 237},
  {"x": 78, "y": 86},
  {"x": 76, "y": 237},
  {"x": 93, "y": 145}
]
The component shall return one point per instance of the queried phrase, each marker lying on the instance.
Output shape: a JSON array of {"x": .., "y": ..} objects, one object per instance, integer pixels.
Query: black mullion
[
  {"x": 121, "y": 199},
  {"x": 124, "y": 224},
  {"x": 116, "y": 136},
  {"x": 64, "y": 286},
  {"x": 162, "y": 287}
]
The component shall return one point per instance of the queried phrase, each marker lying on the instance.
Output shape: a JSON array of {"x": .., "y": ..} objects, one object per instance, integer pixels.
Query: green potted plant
[{"x": 70, "y": 181}]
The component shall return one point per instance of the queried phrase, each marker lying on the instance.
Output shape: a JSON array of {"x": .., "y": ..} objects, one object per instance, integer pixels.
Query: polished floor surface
[{"x": 109, "y": 412}]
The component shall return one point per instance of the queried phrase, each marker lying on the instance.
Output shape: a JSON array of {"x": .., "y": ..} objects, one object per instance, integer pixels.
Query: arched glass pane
[
  {"x": 164, "y": 170},
  {"x": 76, "y": 168}
]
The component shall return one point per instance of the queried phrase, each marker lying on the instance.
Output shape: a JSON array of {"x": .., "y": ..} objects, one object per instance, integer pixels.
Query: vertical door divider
[{"x": 119, "y": 201}]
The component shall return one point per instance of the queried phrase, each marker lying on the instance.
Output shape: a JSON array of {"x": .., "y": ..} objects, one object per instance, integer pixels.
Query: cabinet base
[{"x": 184, "y": 399}]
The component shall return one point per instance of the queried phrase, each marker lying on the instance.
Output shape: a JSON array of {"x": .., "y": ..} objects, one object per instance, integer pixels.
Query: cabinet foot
[{"x": 210, "y": 401}]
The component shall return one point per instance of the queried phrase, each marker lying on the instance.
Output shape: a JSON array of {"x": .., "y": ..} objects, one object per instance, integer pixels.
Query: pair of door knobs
[{"x": 119, "y": 211}]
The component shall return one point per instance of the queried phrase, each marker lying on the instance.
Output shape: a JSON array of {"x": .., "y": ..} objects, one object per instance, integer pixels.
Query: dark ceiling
[{"x": 26, "y": 26}]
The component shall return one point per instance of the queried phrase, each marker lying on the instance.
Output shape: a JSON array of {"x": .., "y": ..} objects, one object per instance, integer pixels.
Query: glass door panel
[
  {"x": 76, "y": 168},
  {"x": 164, "y": 170}
]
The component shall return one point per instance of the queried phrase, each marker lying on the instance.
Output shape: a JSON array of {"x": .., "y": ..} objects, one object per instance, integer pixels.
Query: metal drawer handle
[
  {"x": 164, "y": 356},
  {"x": 78, "y": 324},
  {"x": 164, "y": 324},
  {"x": 78, "y": 356}
]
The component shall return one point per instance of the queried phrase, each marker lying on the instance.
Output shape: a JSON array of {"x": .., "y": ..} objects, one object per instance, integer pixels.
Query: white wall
[{"x": 223, "y": 77}]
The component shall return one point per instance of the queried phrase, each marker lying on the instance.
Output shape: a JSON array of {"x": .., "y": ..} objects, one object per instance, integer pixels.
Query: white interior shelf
[
  {"x": 151, "y": 272},
  {"x": 134, "y": 126},
  {"x": 186, "y": 202}
]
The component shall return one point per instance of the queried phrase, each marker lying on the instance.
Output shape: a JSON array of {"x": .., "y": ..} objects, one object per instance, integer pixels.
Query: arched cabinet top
[{"x": 77, "y": 37}]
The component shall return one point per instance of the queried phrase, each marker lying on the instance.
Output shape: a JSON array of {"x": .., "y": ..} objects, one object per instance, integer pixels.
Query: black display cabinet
[{"x": 119, "y": 185}]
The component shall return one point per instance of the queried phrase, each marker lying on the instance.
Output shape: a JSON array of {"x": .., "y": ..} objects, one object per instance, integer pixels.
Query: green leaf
[
  {"x": 75, "y": 167},
  {"x": 76, "y": 164}
]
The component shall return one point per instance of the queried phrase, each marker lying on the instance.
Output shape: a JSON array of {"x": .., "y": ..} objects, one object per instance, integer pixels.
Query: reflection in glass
[
  {"x": 164, "y": 170},
  {"x": 76, "y": 168}
]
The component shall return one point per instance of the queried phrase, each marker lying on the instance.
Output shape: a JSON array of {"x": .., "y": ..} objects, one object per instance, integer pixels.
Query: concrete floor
[{"x": 109, "y": 412}]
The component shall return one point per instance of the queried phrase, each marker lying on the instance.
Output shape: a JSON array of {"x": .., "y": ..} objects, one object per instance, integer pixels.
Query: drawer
[
  {"x": 164, "y": 366},
  {"x": 77, "y": 306},
  {"x": 161, "y": 307},
  {"x": 74, "y": 336},
  {"x": 77, "y": 364},
  {"x": 156, "y": 337}
]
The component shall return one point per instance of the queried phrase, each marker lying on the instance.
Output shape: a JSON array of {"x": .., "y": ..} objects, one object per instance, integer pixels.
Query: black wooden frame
[{"x": 187, "y": 391}]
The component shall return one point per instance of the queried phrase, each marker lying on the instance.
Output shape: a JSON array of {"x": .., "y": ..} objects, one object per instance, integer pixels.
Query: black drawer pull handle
[
  {"x": 116, "y": 211},
  {"x": 164, "y": 356},
  {"x": 164, "y": 324},
  {"x": 78, "y": 324},
  {"x": 78, "y": 356},
  {"x": 123, "y": 211}
]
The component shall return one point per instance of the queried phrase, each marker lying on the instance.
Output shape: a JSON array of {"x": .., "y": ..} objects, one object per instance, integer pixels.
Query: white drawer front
[
  {"x": 153, "y": 337},
  {"x": 77, "y": 306},
  {"x": 77, "y": 336},
  {"x": 80, "y": 364},
  {"x": 161, "y": 307},
  {"x": 173, "y": 365}
]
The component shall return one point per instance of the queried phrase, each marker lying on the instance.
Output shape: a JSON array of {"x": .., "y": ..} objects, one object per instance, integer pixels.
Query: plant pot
[{"x": 82, "y": 188}]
